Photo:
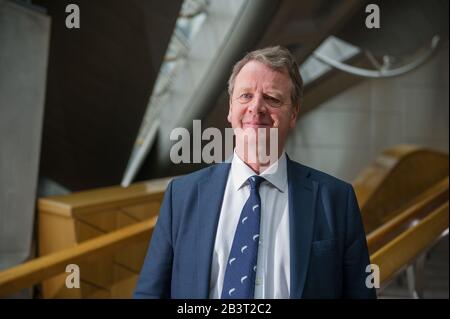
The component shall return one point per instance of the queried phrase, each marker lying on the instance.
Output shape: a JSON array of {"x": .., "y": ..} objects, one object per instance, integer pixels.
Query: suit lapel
[
  {"x": 210, "y": 196},
  {"x": 302, "y": 199}
]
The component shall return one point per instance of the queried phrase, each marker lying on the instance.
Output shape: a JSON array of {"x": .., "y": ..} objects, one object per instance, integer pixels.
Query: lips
[{"x": 255, "y": 124}]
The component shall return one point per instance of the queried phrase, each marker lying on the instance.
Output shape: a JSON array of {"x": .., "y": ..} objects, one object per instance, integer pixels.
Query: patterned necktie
[{"x": 239, "y": 280}]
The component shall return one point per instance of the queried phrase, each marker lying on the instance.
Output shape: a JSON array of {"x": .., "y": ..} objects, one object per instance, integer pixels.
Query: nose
[{"x": 257, "y": 105}]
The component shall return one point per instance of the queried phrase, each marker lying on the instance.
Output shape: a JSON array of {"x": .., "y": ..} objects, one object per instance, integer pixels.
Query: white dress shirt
[{"x": 273, "y": 266}]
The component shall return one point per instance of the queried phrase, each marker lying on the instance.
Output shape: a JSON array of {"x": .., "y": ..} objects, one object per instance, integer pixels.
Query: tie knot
[{"x": 255, "y": 181}]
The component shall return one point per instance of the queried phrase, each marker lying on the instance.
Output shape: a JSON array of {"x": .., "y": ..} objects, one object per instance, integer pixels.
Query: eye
[
  {"x": 273, "y": 101},
  {"x": 245, "y": 97}
]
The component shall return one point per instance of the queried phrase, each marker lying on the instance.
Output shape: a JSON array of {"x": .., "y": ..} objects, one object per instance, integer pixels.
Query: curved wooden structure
[
  {"x": 403, "y": 198},
  {"x": 93, "y": 250},
  {"x": 420, "y": 207},
  {"x": 397, "y": 176},
  {"x": 70, "y": 220},
  {"x": 402, "y": 250}
]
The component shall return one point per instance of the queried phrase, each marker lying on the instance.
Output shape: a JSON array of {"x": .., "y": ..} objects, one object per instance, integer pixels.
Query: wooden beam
[
  {"x": 426, "y": 203},
  {"x": 37, "y": 270},
  {"x": 104, "y": 198},
  {"x": 402, "y": 251}
]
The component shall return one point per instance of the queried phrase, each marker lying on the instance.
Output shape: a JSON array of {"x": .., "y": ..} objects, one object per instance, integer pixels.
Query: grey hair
[{"x": 277, "y": 58}]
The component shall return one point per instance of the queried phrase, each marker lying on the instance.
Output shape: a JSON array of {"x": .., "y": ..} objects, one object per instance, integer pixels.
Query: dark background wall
[{"x": 99, "y": 81}]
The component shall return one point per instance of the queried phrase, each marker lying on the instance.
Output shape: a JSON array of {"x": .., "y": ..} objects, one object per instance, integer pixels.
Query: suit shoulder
[
  {"x": 197, "y": 176},
  {"x": 324, "y": 178}
]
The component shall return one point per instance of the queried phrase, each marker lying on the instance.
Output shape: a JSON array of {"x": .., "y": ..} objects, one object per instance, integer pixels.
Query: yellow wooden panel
[
  {"x": 387, "y": 187},
  {"x": 104, "y": 198},
  {"x": 124, "y": 282},
  {"x": 51, "y": 265},
  {"x": 143, "y": 211},
  {"x": 404, "y": 248},
  {"x": 52, "y": 287},
  {"x": 85, "y": 231},
  {"x": 103, "y": 220},
  {"x": 55, "y": 233},
  {"x": 133, "y": 256},
  {"x": 98, "y": 271},
  {"x": 92, "y": 292}
]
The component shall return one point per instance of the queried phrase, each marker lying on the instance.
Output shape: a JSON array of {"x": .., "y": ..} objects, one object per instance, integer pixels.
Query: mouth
[{"x": 255, "y": 125}]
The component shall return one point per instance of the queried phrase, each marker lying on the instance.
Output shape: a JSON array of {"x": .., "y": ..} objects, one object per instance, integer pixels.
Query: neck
[{"x": 256, "y": 165}]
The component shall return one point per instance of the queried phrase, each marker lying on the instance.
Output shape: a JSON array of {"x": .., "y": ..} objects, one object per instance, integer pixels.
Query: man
[{"x": 248, "y": 229}]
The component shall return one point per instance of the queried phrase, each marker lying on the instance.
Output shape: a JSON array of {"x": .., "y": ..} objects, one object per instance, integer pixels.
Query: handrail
[
  {"x": 424, "y": 204},
  {"x": 39, "y": 269},
  {"x": 390, "y": 258},
  {"x": 104, "y": 198},
  {"x": 45, "y": 267},
  {"x": 386, "y": 187},
  {"x": 401, "y": 251},
  {"x": 372, "y": 178}
]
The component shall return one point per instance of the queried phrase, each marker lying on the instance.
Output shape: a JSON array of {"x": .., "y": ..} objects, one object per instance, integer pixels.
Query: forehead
[{"x": 255, "y": 74}]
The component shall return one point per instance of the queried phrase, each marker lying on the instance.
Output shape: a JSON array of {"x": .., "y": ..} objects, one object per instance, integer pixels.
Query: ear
[
  {"x": 294, "y": 116},
  {"x": 229, "y": 112}
]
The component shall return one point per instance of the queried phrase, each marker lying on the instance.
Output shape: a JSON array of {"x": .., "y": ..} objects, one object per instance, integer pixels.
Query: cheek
[
  {"x": 277, "y": 119},
  {"x": 239, "y": 113},
  {"x": 282, "y": 120},
  {"x": 235, "y": 115}
]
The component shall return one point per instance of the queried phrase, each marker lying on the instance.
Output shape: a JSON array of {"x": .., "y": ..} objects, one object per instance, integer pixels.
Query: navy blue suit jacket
[{"x": 328, "y": 248}]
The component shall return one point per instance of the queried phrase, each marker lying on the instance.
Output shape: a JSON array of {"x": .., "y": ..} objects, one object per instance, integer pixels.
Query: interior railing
[{"x": 106, "y": 231}]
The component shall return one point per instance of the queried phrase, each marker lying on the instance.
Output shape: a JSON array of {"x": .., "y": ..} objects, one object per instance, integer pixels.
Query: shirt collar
[{"x": 275, "y": 174}]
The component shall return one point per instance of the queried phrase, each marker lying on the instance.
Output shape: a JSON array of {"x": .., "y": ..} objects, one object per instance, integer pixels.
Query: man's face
[{"x": 261, "y": 98}]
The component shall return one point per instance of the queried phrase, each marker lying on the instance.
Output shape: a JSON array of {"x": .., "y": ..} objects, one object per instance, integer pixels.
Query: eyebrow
[{"x": 276, "y": 92}]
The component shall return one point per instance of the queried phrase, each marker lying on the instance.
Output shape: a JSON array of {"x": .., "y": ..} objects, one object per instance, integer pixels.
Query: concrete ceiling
[{"x": 100, "y": 77}]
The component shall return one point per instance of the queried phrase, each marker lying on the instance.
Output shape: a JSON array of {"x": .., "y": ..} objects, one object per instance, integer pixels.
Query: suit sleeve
[
  {"x": 356, "y": 254},
  {"x": 155, "y": 278}
]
